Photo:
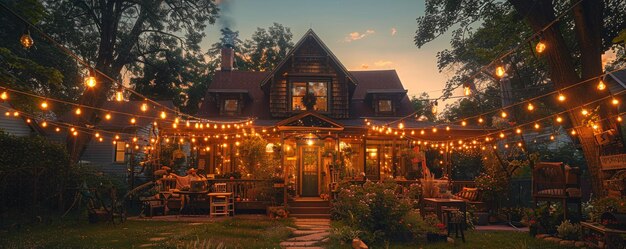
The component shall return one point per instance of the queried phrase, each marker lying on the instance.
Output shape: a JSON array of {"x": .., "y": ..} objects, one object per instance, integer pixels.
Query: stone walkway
[{"x": 308, "y": 234}]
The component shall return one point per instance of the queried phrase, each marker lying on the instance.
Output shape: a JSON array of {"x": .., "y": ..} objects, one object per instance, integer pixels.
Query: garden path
[{"x": 308, "y": 234}]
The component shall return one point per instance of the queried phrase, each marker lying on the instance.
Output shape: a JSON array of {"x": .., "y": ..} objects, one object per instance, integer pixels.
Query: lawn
[
  {"x": 233, "y": 233},
  {"x": 475, "y": 240}
]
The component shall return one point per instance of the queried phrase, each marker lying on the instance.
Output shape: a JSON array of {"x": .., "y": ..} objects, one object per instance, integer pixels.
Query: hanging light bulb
[
  {"x": 467, "y": 90},
  {"x": 401, "y": 125},
  {"x": 107, "y": 116},
  {"x": 559, "y": 119},
  {"x": 463, "y": 123},
  {"x": 78, "y": 111},
  {"x": 540, "y": 47},
  {"x": 434, "y": 108},
  {"x": 119, "y": 94},
  {"x": 531, "y": 107},
  {"x": 537, "y": 126},
  {"x": 133, "y": 121},
  {"x": 573, "y": 132},
  {"x": 480, "y": 120},
  {"x": 26, "y": 40},
  {"x": 619, "y": 118},
  {"x": 44, "y": 124},
  {"x": 584, "y": 112},
  {"x": 4, "y": 95},
  {"x": 44, "y": 105},
  {"x": 163, "y": 115},
  {"x": 447, "y": 128},
  {"x": 561, "y": 97},
  {"x": 501, "y": 135},
  {"x": 503, "y": 114},
  {"x": 518, "y": 130},
  {"x": 144, "y": 107},
  {"x": 500, "y": 71},
  {"x": 90, "y": 80},
  {"x": 615, "y": 101},
  {"x": 601, "y": 86}
]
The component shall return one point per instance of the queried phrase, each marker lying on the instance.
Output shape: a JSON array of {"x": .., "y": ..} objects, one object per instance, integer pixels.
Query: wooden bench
[{"x": 557, "y": 182}]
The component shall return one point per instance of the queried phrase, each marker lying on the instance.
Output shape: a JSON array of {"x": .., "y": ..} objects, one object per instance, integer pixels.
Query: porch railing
[{"x": 248, "y": 190}]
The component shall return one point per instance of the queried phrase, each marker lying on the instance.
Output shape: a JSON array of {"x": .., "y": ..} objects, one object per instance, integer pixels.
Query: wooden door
[{"x": 310, "y": 165}]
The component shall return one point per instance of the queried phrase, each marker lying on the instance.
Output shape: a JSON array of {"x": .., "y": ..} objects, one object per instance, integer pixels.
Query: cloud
[
  {"x": 393, "y": 31},
  {"x": 365, "y": 66},
  {"x": 358, "y": 36},
  {"x": 382, "y": 63}
]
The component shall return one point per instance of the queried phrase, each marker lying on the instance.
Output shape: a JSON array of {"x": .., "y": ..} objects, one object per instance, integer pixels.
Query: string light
[
  {"x": 26, "y": 40},
  {"x": 503, "y": 114},
  {"x": 601, "y": 86},
  {"x": 163, "y": 115},
  {"x": 537, "y": 126},
  {"x": 4, "y": 95},
  {"x": 500, "y": 71},
  {"x": 573, "y": 132},
  {"x": 518, "y": 131},
  {"x": 107, "y": 116},
  {"x": 133, "y": 120},
  {"x": 530, "y": 107},
  {"x": 584, "y": 112},
  {"x": 619, "y": 118},
  {"x": 44, "y": 124},
  {"x": 615, "y": 101},
  {"x": 90, "y": 80},
  {"x": 540, "y": 47},
  {"x": 144, "y": 107},
  {"x": 561, "y": 97},
  {"x": 119, "y": 94},
  {"x": 480, "y": 120},
  {"x": 401, "y": 125},
  {"x": 44, "y": 105},
  {"x": 463, "y": 123},
  {"x": 78, "y": 111},
  {"x": 467, "y": 90},
  {"x": 559, "y": 119}
]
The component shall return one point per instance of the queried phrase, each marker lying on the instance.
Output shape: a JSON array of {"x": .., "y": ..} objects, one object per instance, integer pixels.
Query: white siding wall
[{"x": 13, "y": 125}]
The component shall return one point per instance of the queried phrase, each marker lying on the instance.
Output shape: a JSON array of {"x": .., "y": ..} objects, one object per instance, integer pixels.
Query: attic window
[
  {"x": 385, "y": 105},
  {"x": 231, "y": 105}
]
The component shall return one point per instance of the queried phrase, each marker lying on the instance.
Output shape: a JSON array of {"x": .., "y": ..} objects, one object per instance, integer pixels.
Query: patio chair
[
  {"x": 221, "y": 204},
  {"x": 557, "y": 182}
]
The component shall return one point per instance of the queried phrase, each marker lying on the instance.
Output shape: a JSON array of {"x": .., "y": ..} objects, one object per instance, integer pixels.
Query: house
[
  {"x": 324, "y": 121},
  {"x": 15, "y": 125},
  {"x": 115, "y": 157}
]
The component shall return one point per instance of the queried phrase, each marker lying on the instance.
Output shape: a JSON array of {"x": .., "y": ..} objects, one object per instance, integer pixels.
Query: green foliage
[
  {"x": 568, "y": 231},
  {"x": 423, "y": 106},
  {"x": 254, "y": 160},
  {"x": 597, "y": 206},
  {"x": 376, "y": 211},
  {"x": 545, "y": 218},
  {"x": 262, "y": 52}
]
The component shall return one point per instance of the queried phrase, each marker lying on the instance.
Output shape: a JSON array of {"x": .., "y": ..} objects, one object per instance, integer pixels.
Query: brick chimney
[{"x": 228, "y": 58}]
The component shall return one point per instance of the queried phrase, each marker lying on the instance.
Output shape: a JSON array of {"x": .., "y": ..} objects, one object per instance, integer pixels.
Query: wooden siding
[
  {"x": 13, "y": 125},
  {"x": 309, "y": 61}
]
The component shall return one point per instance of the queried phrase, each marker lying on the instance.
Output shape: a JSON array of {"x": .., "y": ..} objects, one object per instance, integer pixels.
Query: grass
[
  {"x": 230, "y": 233},
  {"x": 475, "y": 240}
]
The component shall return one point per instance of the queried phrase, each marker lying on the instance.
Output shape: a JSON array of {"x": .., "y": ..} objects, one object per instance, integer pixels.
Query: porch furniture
[
  {"x": 600, "y": 236},
  {"x": 557, "y": 182},
  {"x": 454, "y": 222},
  {"x": 150, "y": 204},
  {"x": 192, "y": 200},
  {"x": 221, "y": 204},
  {"x": 472, "y": 197},
  {"x": 440, "y": 203}
]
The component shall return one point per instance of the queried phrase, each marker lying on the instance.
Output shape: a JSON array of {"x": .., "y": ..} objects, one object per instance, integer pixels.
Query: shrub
[
  {"x": 605, "y": 204},
  {"x": 568, "y": 231},
  {"x": 344, "y": 233},
  {"x": 374, "y": 209}
]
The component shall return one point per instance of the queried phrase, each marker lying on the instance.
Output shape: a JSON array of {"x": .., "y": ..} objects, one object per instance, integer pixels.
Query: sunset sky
[{"x": 363, "y": 34}]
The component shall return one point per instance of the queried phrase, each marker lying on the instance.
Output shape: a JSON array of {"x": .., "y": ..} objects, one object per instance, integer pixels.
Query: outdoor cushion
[
  {"x": 571, "y": 192},
  {"x": 470, "y": 194}
]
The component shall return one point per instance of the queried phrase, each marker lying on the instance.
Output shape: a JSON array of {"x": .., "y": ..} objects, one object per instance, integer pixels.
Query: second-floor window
[
  {"x": 385, "y": 105},
  {"x": 319, "y": 89},
  {"x": 231, "y": 106}
]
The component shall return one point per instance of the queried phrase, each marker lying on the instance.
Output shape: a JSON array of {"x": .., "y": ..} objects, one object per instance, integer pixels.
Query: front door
[{"x": 309, "y": 163}]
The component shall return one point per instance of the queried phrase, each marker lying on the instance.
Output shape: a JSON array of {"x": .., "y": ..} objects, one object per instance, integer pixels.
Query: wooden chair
[
  {"x": 221, "y": 204},
  {"x": 557, "y": 182}
]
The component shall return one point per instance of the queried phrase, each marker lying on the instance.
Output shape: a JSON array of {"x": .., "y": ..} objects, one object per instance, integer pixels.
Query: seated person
[{"x": 184, "y": 182}]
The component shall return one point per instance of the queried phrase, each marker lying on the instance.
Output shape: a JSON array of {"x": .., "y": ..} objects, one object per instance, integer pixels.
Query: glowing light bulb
[
  {"x": 584, "y": 112},
  {"x": 537, "y": 126},
  {"x": 500, "y": 71},
  {"x": 540, "y": 47},
  {"x": 90, "y": 81},
  {"x": 78, "y": 111},
  {"x": 4, "y": 95},
  {"x": 119, "y": 95},
  {"x": 615, "y": 101},
  {"x": 107, "y": 116},
  {"x": 447, "y": 128},
  {"x": 573, "y": 132},
  {"x": 75, "y": 133},
  {"x": 480, "y": 120},
  {"x": 561, "y": 97},
  {"x": 530, "y": 107},
  {"x": 463, "y": 123},
  {"x": 163, "y": 115},
  {"x": 619, "y": 118},
  {"x": 133, "y": 120},
  {"x": 144, "y": 107},
  {"x": 467, "y": 91},
  {"x": 26, "y": 40},
  {"x": 501, "y": 135},
  {"x": 97, "y": 134},
  {"x": 44, "y": 124},
  {"x": 559, "y": 119},
  {"x": 601, "y": 86},
  {"x": 503, "y": 114},
  {"x": 401, "y": 125},
  {"x": 44, "y": 105},
  {"x": 518, "y": 130}
]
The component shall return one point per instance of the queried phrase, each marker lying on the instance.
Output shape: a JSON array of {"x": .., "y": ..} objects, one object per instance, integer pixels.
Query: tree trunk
[{"x": 563, "y": 73}]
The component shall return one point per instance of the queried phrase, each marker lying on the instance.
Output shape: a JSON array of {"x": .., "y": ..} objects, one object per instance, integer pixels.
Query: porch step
[
  {"x": 310, "y": 216},
  {"x": 309, "y": 203},
  {"x": 309, "y": 210}
]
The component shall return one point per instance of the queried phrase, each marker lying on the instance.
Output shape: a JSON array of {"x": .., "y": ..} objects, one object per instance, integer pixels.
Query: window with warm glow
[
  {"x": 120, "y": 152},
  {"x": 318, "y": 89},
  {"x": 231, "y": 105},
  {"x": 384, "y": 105}
]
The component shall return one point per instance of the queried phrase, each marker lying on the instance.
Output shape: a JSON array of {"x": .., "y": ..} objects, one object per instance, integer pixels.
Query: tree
[
  {"x": 592, "y": 24},
  {"x": 263, "y": 51},
  {"x": 423, "y": 106},
  {"x": 121, "y": 35}
]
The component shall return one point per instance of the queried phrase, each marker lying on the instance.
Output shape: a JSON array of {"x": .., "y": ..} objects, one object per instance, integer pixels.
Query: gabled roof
[
  {"x": 310, "y": 34},
  {"x": 237, "y": 82},
  {"x": 299, "y": 122}
]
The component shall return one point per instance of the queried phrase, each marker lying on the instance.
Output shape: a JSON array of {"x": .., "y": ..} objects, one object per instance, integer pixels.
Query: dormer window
[
  {"x": 231, "y": 106},
  {"x": 385, "y": 106},
  {"x": 319, "y": 89}
]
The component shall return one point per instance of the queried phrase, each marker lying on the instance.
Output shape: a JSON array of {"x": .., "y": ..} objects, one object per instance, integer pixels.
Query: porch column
[{"x": 282, "y": 164}]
